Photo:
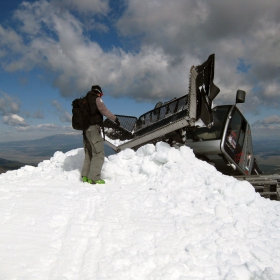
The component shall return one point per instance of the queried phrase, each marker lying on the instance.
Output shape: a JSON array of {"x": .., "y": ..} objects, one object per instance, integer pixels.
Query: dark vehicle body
[{"x": 227, "y": 144}]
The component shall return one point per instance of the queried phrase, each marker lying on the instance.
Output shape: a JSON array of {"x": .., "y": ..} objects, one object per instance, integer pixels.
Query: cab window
[
  {"x": 235, "y": 135},
  {"x": 216, "y": 131}
]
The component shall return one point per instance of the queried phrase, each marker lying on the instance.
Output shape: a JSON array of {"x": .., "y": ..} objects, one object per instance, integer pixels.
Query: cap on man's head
[{"x": 96, "y": 88}]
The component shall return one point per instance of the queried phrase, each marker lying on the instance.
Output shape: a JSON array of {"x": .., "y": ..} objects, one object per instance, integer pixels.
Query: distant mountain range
[
  {"x": 15, "y": 154},
  {"x": 267, "y": 153},
  {"x": 6, "y": 165},
  {"x": 267, "y": 148}
]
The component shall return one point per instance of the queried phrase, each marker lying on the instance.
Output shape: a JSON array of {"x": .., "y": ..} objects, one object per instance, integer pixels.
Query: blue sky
[{"x": 139, "y": 52}]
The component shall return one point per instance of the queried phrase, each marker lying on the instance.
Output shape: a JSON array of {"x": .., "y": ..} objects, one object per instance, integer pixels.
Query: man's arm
[{"x": 103, "y": 110}]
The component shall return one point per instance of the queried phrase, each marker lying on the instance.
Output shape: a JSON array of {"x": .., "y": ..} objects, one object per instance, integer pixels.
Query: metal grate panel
[{"x": 166, "y": 110}]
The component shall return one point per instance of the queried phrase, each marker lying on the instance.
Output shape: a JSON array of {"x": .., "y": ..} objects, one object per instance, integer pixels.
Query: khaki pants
[{"x": 94, "y": 153}]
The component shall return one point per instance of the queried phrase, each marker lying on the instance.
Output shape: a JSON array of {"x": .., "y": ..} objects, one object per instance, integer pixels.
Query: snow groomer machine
[{"x": 220, "y": 135}]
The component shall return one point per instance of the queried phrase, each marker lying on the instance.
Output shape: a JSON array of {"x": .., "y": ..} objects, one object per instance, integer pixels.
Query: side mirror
[{"x": 240, "y": 96}]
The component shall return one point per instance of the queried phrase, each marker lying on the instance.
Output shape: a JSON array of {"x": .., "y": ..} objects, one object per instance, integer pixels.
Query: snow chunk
[
  {"x": 146, "y": 150},
  {"x": 240, "y": 192},
  {"x": 221, "y": 211}
]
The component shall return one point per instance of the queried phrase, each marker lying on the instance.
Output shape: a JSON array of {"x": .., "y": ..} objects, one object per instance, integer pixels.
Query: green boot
[
  {"x": 99, "y": 181},
  {"x": 96, "y": 181},
  {"x": 85, "y": 179}
]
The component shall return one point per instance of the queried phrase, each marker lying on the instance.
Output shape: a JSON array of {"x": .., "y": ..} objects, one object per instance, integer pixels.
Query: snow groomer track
[{"x": 266, "y": 185}]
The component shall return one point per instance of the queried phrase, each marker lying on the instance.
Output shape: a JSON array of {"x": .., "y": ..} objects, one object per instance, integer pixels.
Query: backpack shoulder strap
[{"x": 94, "y": 93}]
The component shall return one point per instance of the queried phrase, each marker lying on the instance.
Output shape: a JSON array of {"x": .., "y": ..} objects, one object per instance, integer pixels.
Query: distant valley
[
  {"x": 267, "y": 153},
  {"x": 6, "y": 165},
  {"x": 14, "y": 155}
]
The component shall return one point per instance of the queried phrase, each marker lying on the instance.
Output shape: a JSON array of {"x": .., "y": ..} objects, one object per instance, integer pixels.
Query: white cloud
[
  {"x": 272, "y": 120},
  {"x": 36, "y": 115},
  {"x": 84, "y": 6},
  {"x": 10, "y": 108},
  {"x": 45, "y": 127},
  {"x": 169, "y": 36},
  {"x": 233, "y": 30},
  {"x": 8, "y": 104},
  {"x": 272, "y": 88},
  {"x": 10, "y": 39},
  {"x": 172, "y": 25},
  {"x": 267, "y": 124},
  {"x": 14, "y": 120},
  {"x": 64, "y": 116}
]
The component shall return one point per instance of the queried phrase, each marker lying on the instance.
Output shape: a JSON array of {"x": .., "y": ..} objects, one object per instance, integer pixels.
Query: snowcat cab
[{"x": 228, "y": 143}]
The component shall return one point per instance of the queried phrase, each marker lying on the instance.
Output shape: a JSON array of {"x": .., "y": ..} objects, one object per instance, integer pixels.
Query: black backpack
[{"x": 80, "y": 114}]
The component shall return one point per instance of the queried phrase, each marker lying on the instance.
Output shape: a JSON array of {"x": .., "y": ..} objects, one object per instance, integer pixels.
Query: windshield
[{"x": 216, "y": 131}]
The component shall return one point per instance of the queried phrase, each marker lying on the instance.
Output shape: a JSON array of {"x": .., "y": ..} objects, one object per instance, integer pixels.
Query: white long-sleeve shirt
[{"x": 103, "y": 109}]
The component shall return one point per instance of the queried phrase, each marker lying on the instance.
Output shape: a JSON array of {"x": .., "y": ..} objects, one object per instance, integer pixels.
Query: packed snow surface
[{"x": 162, "y": 214}]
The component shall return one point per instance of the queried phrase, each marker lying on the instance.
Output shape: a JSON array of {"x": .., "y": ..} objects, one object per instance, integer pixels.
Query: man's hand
[{"x": 117, "y": 122}]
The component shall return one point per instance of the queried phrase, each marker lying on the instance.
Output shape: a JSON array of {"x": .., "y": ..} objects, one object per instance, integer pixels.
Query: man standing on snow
[{"x": 93, "y": 142}]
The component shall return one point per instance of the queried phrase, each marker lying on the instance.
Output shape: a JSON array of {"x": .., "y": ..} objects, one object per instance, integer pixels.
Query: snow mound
[{"x": 163, "y": 214}]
